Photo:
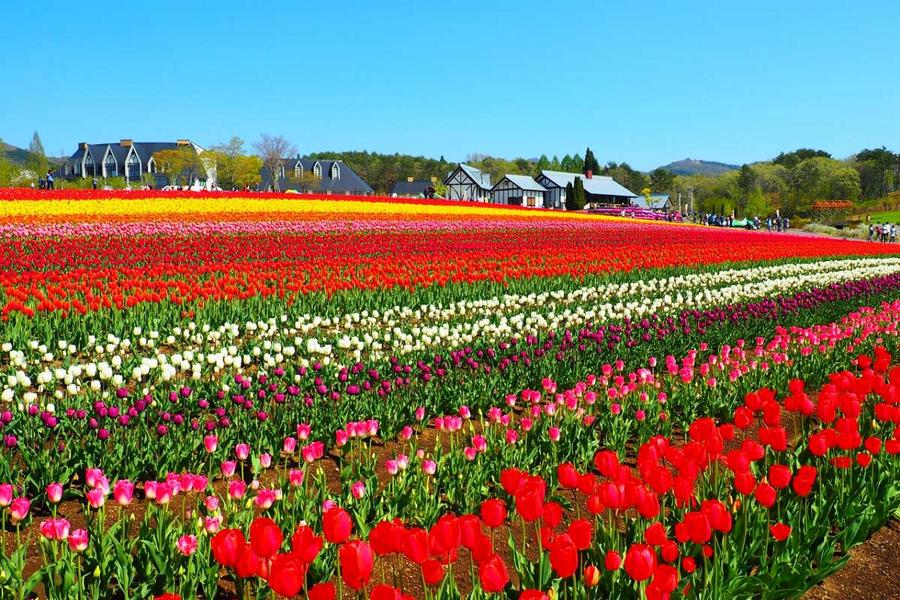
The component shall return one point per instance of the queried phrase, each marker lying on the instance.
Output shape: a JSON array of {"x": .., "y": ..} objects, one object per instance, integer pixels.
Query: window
[
  {"x": 89, "y": 166},
  {"x": 281, "y": 171},
  {"x": 317, "y": 170},
  {"x": 298, "y": 171},
  {"x": 134, "y": 167},
  {"x": 111, "y": 167},
  {"x": 335, "y": 171}
]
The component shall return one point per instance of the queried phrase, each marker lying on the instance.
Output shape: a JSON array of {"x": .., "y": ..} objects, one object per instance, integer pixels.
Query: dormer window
[
  {"x": 335, "y": 171},
  {"x": 317, "y": 170},
  {"x": 110, "y": 166},
  {"x": 89, "y": 165},
  {"x": 298, "y": 170},
  {"x": 133, "y": 167}
]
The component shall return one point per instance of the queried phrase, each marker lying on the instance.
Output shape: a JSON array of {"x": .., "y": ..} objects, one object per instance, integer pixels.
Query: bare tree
[{"x": 272, "y": 149}]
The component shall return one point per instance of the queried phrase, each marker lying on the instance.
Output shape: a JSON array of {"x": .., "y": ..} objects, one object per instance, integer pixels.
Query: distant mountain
[
  {"x": 17, "y": 156},
  {"x": 690, "y": 166}
]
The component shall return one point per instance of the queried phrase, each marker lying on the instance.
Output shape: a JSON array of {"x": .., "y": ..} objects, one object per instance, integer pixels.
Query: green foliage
[
  {"x": 792, "y": 159},
  {"x": 37, "y": 161},
  {"x": 624, "y": 175},
  {"x": 570, "y": 197},
  {"x": 662, "y": 180},
  {"x": 8, "y": 172},
  {"x": 382, "y": 171},
  {"x": 590, "y": 162}
]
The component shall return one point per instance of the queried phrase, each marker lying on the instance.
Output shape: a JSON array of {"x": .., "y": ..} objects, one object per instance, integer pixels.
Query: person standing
[
  {"x": 94, "y": 183},
  {"x": 49, "y": 180}
]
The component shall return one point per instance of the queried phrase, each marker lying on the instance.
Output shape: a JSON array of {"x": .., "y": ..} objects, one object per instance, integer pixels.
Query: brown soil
[{"x": 873, "y": 571}]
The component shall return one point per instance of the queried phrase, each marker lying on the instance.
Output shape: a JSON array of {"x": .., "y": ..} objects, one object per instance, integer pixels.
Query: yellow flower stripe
[{"x": 224, "y": 207}]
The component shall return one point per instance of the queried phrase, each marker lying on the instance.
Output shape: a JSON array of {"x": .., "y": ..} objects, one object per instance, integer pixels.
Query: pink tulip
[
  {"x": 123, "y": 492},
  {"x": 265, "y": 499},
  {"x": 429, "y": 467},
  {"x": 228, "y": 468},
  {"x": 164, "y": 493},
  {"x": 211, "y": 503},
  {"x": 212, "y": 524},
  {"x": 295, "y": 477},
  {"x": 78, "y": 540},
  {"x": 242, "y": 451},
  {"x": 402, "y": 461},
  {"x": 265, "y": 460},
  {"x": 91, "y": 476},
  {"x": 150, "y": 489},
  {"x": 358, "y": 490},
  {"x": 303, "y": 431},
  {"x": 420, "y": 413},
  {"x": 187, "y": 544},
  {"x": 96, "y": 498},
  {"x": 210, "y": 442},
  {"x": 406, "y": 433},
  {"x": 341, "y": 436},
  {"x": 54, "y": 492},
  {"x": 18, "y": 509},
  {"x": 236, "y": 489},
  {"x": 392, "y": 467},
  {"x": 55, "y": 529},
  {"x": 470, "y": 453},
  {"x": 6, "y": 494},
  {"x": 289, "y": 445},
  {"x": 553, "y": 433}
]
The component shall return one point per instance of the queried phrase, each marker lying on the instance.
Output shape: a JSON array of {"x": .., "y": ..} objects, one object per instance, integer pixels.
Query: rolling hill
[{"x": 690, "y": 166}]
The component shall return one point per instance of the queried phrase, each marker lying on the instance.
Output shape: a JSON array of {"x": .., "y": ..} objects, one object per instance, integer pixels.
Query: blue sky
[{"x": 644, "y": 82}]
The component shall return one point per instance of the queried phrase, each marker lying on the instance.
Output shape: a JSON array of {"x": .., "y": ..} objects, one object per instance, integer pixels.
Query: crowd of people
[{"x": 882, "y": 232}]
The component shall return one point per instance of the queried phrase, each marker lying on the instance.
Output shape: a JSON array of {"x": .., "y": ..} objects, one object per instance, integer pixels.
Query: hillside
[
  {"x": 13, "y": 154},
  {"x": 690, "y": 166}
]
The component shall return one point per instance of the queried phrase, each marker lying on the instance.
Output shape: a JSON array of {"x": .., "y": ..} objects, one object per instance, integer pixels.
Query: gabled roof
[
  {"x": 348, "y": 182},
  {"x": 412, "y": 188},
  {"x": 481, "y": 179},
  {"x": 523, "y": 182},
  {"x": 659, "y": 201},
  {"x": 598, "y": 185}
]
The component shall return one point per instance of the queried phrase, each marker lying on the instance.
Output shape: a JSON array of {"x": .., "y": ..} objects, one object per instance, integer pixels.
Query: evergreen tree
[
  {"x": 578, "y": 192},
  {"x": 37, "y": 159},
  {"x": 590, "y": 163},
  {"x": 570, "y": 197},
  {"x": 554, "y": 164},
  {"x": 566, "y": 164}
]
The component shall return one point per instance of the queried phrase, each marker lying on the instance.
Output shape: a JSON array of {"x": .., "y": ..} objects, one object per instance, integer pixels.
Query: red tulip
[
  {"x": 265, "y": 537},
  {"x": 415, "y": 547},
  {"x": 567, "y": 475},
  {"x": 804, "y": 480},
  {"x": 227, "y": 546},
  {"x": 533, "y": 595},
  {"x": 444, "y": 539},
  {"x": 492, "y": 574},
  {"x": 469, "y": 530},
  {"x": 336, "y": 525},
  {"x": 699, "y": 530},
  {"x": 780, "y": 531},
  {"x": 322, "y": 591},
  {"x": 582, "y": 533},
  {"x": 779, "y": 476},
  {"x": 382, "y": 537},
  {"x": 306, "y": 544},
  {"x": 286, "y": 575},
  {"x": 167, "y": 596},
  {"x": 248, "y": 564},
  {"x": 385, "y": 592},
  {"x": 511, "y": 479},
  {"x": 612, "y": 561},
  {"x": 432, "y": 572},
  {"x": 552, "y": 515},
  {"x": 530, "y": 499},
  {"x": 493, "y": 512},
  {"x": 765, "y": 494},
  {"x": 688, "y": 564},
  {"x": 655, "y": 535},
  {"x": 357, "y": 561},
  {"x": 564, "y": 556},
  {"x": 591, "y": 575},
  {"x": 640, "y": 562}
]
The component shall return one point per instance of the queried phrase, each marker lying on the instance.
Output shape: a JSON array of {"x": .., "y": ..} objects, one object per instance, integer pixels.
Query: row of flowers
[
  {"x": 150, "y": 358},
  {"x": 726, "y": 512}
]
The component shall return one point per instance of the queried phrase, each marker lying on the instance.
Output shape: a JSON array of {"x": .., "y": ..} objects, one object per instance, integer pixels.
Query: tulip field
[{"x": 217, "y": 395}]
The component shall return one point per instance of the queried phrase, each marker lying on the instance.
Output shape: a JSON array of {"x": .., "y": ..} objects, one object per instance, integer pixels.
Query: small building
[
  {"x": 414, "y": 188},
  {"x": 601, "y": 189},
  {"x": 519, "y": 190},
  {"x": 655, "y": 202},
  {"x": 315, "y": 176},
  {"x": 131, "y": 160},
  {"x": 468, "y": 183}
]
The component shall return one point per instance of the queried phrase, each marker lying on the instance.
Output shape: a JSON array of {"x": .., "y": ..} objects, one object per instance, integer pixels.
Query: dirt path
[{"x": 873, "y": 572}]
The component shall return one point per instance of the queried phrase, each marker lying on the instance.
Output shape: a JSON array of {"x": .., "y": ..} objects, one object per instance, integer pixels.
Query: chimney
[
  {"x": 589, "y": 174},
  {"x": 183, "y": 143},
  {"x": 125, "y": 143},
  {"x": 409, "y": 179},
  {"x": 83, "y": 145}
]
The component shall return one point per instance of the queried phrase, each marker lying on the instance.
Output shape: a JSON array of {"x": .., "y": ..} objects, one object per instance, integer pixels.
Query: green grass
[{"x": 891, "y": 216}]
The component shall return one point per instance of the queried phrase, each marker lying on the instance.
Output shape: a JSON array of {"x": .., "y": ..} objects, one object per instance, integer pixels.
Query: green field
[{"x": 892, "y": 216}]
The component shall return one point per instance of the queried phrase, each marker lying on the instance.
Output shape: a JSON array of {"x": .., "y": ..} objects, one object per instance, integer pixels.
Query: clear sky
[{"x": 641, "y": 81}]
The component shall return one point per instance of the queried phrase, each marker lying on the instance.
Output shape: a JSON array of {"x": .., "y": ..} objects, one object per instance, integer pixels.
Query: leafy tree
[
  {"x": 8, "y": 172},
  {"x": 179, "y": 165},
  {"x": 662, "y": 180},
  {"x": 37, "y": 161},
  {"x": 272, "y": 149},
  {"x": 878, "y": 169},
  {"x": 543, "y": 164},
  {"x": 792, "y": 159},
  {"x": 247, "y": 171}
]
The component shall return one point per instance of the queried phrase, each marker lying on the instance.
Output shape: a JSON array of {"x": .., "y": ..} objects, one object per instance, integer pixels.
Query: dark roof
[
  {"x": 412, "y": 188},
  {"x": 348, "y": 182}
]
